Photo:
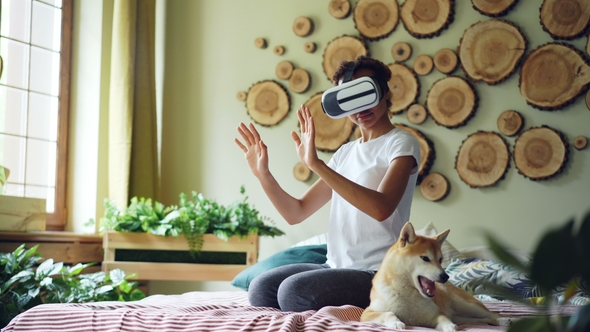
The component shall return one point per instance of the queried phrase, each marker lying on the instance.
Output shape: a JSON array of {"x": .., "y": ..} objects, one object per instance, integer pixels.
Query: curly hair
[{"x": 380, "y": 70}]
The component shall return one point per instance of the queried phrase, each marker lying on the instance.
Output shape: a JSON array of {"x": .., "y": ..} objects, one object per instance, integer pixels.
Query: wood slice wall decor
[
  {"x": 401, "y": 51},
  {"x": 493, "y": 8},
  {"x": 490, "y": 51},
  {"x": 580, "y": 142},
  {"x": 427, "y": 153},
  {"x": 510, "y": 122},
  {"x": 284, "y": 69},
  {"x": 309, "y": 47},
  {"x": 330, "y": 133},
  {"x": 268, "y": 102},
  {"x": 278, "y": 50},
  {"x": 260, "y": 43},
  {"x": 376, "y": 19},
  {"x": 339, "y": 8},
  {"x": 553, "y": 75},
  {"x": 242, "y": 95},
  {"x": 435, "y": 187},
  {"x": 300, "y": 80},
  {"x": 423, "y": 64},
  {"x": 301, "y": 172},
  {"x": 483, "y": 159},
  {"x": 427, "y": 18},
  {"x": 540, "y": 153},
  {"x": 565, "y": 19},
  {"x": 343, "y": 48},
  {"x": 302, "y": 26},
  {"x": 451, "y": 101},
  {"x": 404, "y": 86},
  {"x": 445, "y": 60},
  {"x": 417, "y": 114}
]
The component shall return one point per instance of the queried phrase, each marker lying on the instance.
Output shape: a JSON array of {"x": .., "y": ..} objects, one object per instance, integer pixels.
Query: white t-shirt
[{"x": 355, "y": 240}]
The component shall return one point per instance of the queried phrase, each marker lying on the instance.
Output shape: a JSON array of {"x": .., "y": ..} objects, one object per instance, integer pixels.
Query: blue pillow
[{"x": 301, "y": 254}]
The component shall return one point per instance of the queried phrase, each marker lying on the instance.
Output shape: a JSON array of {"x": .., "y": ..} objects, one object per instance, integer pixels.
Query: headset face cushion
[{"x": 351, "y": 97}]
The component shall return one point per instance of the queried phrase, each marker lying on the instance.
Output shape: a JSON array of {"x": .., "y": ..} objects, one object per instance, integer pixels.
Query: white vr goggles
[{"x": 352, "y": 97}]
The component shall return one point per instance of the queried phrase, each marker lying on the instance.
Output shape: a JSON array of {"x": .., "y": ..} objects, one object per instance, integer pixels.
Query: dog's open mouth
[{"x": 428, "y": 286}]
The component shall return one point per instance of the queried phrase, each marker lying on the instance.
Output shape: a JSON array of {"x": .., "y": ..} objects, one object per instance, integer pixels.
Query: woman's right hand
[{"x": 255, "y": 150}]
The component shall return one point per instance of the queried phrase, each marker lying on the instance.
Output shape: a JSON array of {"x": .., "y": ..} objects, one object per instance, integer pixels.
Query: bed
[{"x": 471, "y": 268}]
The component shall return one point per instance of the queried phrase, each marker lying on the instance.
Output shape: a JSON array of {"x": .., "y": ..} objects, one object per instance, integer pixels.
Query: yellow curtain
[{"x": 133, "y": 164}]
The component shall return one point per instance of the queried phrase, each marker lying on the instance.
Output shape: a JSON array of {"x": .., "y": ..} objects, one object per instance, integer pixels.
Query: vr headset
[{"x": 354, "y": 96}]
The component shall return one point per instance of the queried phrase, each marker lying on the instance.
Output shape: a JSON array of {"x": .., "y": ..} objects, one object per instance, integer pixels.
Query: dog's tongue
[{"x": 428, "y": 286}]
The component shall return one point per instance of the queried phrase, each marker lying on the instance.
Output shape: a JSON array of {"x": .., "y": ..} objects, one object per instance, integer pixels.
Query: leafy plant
[
  {"x": 22, "y": 286},
  {"x": 560, "y": 267},
  {"x": 191, "y": 218}
]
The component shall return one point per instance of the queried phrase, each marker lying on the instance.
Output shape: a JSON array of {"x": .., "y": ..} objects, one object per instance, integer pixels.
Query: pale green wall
[{"x": 210, "y": 55}]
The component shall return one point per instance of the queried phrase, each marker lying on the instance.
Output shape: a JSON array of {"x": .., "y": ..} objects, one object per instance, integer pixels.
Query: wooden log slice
[
  {"x": 268, "y": 102},
  {"x": 330, "y": 133},
  {"x": 417, "y": 114},
  {"x": 404, "y": 86},
  {"x": 279, "y": 50},
  {"x": 445, "y": 60},
  {"x": 339, "y": 8},
  {"x": 451, "y": 101},
  {"x": 580, "y": 142},
  {"x": 300, "y": 80},
  {"x": 427, "y": 153},
  {"x": 423, "y": 64},
  {"x": 309, "y": 47},
  {"x": 434, "y": 187},
  {"x": 493, "y": 8},
  {"x": 302, "y": 26},
  {"x": 301, "y": 172},
  {"x": 490, "y": 51},
  {"x": 242, "y": 95},
  {"x": 540, "y": 153},
  {"x": 343, "y": 48},
  {"x": 483, "y": 159},
  {"x": 376, "y": 19},
  {"x": 427, "y": 18},
  {"x": 260, "y": 42},
  {"x": 565, "y": 19},
  {"x": 284, "y": 69},
  {"x": 553, "y": 75},
  {"x": 510, "y": 122},
  {"x": 401, "y": 51}
]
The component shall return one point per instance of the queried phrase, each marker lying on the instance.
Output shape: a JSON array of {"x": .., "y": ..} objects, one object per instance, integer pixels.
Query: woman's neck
[{"x": 379, "y": 129}]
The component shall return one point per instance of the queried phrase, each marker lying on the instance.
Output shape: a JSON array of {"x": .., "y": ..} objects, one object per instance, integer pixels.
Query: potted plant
[
  {"x": 24, "y": 285},
  {"x": 143, "y": 238}
]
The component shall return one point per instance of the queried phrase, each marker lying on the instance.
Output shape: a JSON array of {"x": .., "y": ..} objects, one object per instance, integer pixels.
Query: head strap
[{"x": 349, "y": 71}]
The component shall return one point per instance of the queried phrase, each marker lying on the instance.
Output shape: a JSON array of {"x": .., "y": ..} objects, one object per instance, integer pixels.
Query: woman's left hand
[{"x": 305, "y": 145}]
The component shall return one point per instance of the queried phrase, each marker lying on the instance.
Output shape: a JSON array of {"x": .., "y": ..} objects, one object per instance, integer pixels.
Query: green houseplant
[
  {"x": 560, "y": 267},
  {"x": 191, "y": 217},
  {"x": 23, "y": 285}
]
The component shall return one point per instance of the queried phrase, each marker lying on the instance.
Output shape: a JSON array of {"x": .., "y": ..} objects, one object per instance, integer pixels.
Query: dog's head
[{"x": 422, "y": 259}]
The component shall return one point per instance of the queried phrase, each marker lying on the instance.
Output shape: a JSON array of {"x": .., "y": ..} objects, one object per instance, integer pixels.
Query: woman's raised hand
[
  {"x": 254, "y": 149},
  {"x": 305, "y": 144}
]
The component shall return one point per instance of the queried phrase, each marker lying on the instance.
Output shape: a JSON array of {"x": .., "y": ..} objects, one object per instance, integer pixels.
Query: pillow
[
  {"x": 300, "y": 254},
  {"x": 474, "y": 275},
  {"x": 448, "y": 250}
]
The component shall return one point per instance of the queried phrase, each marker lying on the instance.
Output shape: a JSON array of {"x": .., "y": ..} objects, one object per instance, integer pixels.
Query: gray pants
[{"x": 300, "y": 287}]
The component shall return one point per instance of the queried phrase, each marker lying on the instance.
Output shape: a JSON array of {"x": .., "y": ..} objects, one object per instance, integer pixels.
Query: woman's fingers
[
  {"x": 247, "y": 134},
  {"x": 240, "y": 145}
]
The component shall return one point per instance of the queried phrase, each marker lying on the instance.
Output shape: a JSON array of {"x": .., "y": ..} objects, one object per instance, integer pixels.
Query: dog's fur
[{"x": 411, "y": 288}]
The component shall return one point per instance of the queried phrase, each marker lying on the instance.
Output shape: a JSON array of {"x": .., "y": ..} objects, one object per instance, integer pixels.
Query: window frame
[{"x": 56, "y": 221}]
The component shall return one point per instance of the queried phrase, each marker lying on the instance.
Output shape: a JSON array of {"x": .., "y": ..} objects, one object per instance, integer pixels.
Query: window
[{"x": 35, "y": 46}]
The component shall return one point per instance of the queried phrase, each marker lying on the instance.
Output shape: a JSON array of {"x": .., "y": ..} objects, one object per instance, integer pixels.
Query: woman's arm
[{"x": 293, "y": 210}]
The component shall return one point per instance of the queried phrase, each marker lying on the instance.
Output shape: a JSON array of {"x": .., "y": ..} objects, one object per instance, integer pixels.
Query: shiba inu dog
[{"x": 411, "y": 288}]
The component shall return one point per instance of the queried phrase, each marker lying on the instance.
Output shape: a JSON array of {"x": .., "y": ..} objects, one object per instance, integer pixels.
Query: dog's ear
[
  {"x": 407, "y": 235},
  {"x": 442, "y": 236}
]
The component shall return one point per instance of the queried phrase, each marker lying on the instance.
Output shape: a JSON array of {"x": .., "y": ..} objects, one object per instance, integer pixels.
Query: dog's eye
[{"x": 426, "y": 259}]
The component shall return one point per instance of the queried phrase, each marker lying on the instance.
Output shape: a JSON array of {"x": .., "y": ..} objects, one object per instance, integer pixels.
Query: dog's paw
[
  {"x": 390, "y": 320},
  {"x": 448, "y": 327}
]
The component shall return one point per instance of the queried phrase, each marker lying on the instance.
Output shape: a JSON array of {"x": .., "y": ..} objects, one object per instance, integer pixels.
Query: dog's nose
[{"x": 443, "y": 277}]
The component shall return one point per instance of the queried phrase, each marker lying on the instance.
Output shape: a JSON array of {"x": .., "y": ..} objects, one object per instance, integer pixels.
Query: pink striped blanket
[{"x": 215, "y": 311}]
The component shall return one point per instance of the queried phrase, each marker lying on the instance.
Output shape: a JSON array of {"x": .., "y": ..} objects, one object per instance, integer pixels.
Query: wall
[{"x": 209, "y": 56}]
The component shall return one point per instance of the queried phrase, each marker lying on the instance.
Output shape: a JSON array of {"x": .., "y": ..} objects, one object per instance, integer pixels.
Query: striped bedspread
[{"x": 213, "y": 311}]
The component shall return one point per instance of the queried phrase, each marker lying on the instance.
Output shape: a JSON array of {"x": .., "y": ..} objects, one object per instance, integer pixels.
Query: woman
[{"x": 370, "y": 183}]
